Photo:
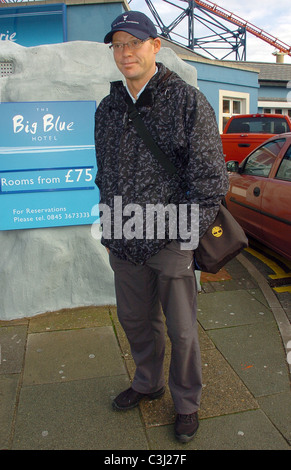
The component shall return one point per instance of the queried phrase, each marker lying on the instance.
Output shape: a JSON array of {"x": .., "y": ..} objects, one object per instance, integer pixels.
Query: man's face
[{"x": 139, "y": 64}]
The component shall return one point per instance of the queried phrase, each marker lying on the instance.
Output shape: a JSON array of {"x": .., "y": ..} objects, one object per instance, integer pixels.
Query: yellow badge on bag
[{"x": 217, "y": 231}]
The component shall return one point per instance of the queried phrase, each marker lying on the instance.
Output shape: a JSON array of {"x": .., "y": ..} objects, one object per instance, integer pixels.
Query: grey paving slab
[
  {"x": 223, "y": 391},
  {"x": 225, "y": 309},
  {"x": 233, "y": 285},
  {"x": 8, "y": 397},
  {"x": 259, "y": 296},
  {"x": 204, "y": 340},
  {"x": 76, "y": 415},
  {"x": 257, "y": 355},
  {"x": 60, "y": 356},
  {"x": 278, "y": 409},
  {"x": 250, "y": 430},
  {"x": 12, "y": 348},
  {"x": 236, "y": 270}
]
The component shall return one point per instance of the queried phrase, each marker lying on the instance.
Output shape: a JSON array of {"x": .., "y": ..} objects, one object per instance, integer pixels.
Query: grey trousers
[{"x": 167, "y": 280}]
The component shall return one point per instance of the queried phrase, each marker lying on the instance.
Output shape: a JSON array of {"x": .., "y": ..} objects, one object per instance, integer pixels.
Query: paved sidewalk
[{"x": 60, "y": 371}]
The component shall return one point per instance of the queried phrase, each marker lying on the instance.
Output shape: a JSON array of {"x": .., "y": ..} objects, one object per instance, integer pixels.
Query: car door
[
  {"x": 276, "y": 205},
  {"x": 247, "y": 188}
]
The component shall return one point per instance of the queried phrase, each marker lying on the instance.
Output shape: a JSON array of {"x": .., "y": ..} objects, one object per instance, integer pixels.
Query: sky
[{"x": 264, "y": 14}]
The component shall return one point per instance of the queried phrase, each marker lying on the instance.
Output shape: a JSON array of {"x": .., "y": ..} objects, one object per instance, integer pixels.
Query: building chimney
[{"x": 279, "y": 57}]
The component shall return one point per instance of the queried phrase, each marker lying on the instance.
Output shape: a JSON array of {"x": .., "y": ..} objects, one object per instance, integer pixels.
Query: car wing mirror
[{"x": 232, "y": 166}]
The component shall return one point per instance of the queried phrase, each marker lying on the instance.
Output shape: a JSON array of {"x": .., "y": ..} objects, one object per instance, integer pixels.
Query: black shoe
[
  {"x": 186, "y": 427},
  {"x": 130, "y": 398}
]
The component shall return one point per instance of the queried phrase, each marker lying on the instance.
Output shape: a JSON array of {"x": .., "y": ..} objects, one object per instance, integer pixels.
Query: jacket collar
[
  {"x": 141, "y": 91},
  {"x": 118, "y": 90}
]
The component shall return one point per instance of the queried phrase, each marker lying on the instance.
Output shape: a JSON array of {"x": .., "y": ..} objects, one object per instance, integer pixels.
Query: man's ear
[{"x": 157, "y": 45}]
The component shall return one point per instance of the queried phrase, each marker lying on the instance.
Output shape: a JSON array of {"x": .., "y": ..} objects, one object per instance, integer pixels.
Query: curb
[{"x": 274, "y": 304}]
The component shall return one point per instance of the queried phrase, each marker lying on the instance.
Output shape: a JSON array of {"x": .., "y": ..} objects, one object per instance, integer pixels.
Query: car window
[
  {"x": 284, "y": 171},
  {"x": 261, "y": 160},
  {"x": 258, "y": 125}
]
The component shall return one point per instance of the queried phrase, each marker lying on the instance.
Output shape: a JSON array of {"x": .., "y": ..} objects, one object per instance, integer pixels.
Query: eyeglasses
[{"x": 132, "y": 45}]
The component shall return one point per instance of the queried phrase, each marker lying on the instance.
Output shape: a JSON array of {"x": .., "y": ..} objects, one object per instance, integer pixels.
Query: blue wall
[
  {"x": 91, "y": 22},
  {"x": 274, "y": 92},
  {"x": 212, "y": 78}
]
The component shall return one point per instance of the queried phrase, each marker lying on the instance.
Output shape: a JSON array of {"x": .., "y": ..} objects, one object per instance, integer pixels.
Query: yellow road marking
[
  {"x": 286, "y": 262},
  {"x": 279, "y": 276},
  {"x": 283, "y": 289},
  {"x": 267, "y": 250},
  {"x": 279, "y": 272}
]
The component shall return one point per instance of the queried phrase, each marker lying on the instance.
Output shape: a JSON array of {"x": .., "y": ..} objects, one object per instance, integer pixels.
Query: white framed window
[
  {"x": 284, "y": 111},
  {"x": 232, "y": 103},
  {"x": 278, "y": 107}
]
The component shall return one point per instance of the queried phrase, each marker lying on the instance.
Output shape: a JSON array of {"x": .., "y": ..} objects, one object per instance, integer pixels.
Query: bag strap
[{"x": 143, "y": 132}]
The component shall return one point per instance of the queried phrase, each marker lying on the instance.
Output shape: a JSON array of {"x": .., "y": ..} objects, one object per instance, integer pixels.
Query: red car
[
  {"x": 259, "y": 196},
  {"x": 243, "y": 133}
]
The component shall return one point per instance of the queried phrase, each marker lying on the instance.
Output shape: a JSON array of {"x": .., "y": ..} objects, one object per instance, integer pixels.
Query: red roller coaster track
[{"x": 258, "y": 32}]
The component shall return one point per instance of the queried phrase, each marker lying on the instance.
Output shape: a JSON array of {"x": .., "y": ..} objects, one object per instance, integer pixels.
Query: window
[
  {"x": 258, "y": 125},
  {"x": 236, "y": 107},
  {"x": 285, "y": 111},
  {"x": 231, "y": 107},
  {"x": 284, "y": 171},
  {"x": 261, "y": 161},
  {"x": 231, "y": 103}
]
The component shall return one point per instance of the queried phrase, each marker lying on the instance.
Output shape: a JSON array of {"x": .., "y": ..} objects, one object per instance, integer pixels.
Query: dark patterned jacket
[{"x": 183, "y": 124}]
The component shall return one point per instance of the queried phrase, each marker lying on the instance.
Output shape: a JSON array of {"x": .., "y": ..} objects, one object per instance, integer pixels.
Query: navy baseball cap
[{"x": 135, "y": 23}]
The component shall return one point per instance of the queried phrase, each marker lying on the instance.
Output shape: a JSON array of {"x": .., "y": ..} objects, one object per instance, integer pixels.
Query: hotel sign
[{"x": 47, "y": 164}]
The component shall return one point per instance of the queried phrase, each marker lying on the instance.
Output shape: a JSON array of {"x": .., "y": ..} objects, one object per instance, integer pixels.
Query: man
[{"x": 150, "y": 271}]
